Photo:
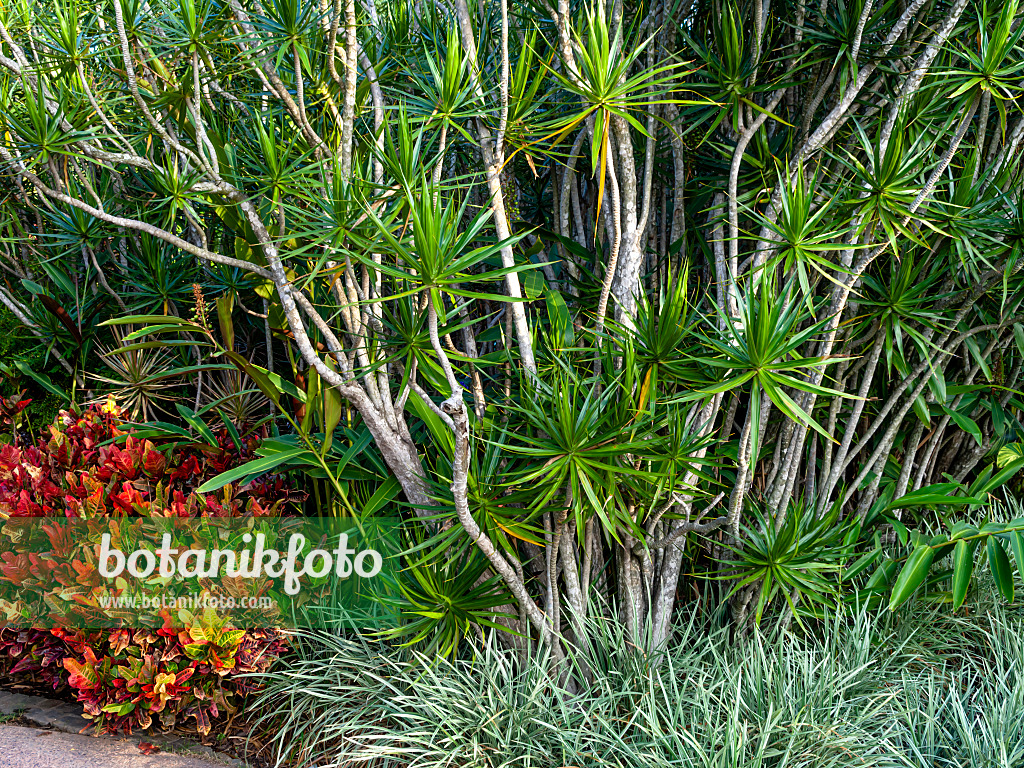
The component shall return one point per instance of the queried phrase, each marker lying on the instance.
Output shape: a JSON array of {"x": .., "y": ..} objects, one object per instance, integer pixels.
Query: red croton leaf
[
  {"x": 202, "y": 718},
  {"x": 83, "y": 674},
  {"x": 125, "y": 461},
  {"x": 11, "y": 407},
  {"x": 118, "y": 641},
  {"x": 14, "y": 567},
  {"x": 153, "y": 461}
]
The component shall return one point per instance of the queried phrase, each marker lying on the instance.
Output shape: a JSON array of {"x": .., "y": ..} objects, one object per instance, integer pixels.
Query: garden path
[{"x": 22, "y": 747}]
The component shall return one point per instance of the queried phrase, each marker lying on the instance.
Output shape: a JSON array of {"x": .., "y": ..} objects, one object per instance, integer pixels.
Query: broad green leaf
[
  {"x": 912, "y": 576},
  {"x": 197, "y": 424},
  {"x": 386, "y": 493},
  {"x": 862, "y": 563},
  {"x": 32, "y": 287},
  {"x": 999, "y": 478},
  {"x": 999, "y": 563},
  {"x": 975, "y": 350},
  {"x": 225, "y": 307},
  {"x": 941, "y": 494},
  {"x": 1017, "y": 544},
  {"x": 534, "y": 284},
  {"x": 963, "y": 563},
  {"x": 152, "y": 320},
  {"x": 165, "y": 344},
  {"x": 559, "y": 318},
  {"x": 42, "y": 380},
  {"x": 249, "y": 469},
  {"x": 152, "y": 329},
  {"x": 967, "y": 424},
  {"x": 922, "y": 411}
]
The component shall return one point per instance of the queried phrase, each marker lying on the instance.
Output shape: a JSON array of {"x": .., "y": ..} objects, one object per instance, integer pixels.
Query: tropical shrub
[
  {"x": 131, "y": 679},
  {"x": 92, "y": 466},
  {"x": 600, "y": 293}
]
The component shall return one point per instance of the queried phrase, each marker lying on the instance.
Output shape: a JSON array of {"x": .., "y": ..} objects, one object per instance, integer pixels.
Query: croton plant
[{"x": 91, "y": 465}]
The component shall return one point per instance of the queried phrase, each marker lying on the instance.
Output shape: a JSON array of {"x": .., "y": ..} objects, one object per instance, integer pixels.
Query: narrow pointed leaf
[{"x": 963, "y": 564}]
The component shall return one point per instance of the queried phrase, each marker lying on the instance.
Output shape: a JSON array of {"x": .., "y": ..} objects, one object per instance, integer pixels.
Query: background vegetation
[{"x": 621, "y": 306}]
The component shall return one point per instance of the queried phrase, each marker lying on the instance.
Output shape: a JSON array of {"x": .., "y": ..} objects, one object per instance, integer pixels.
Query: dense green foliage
[
  {"x": 16, "y": 384},
  {"x": 617, "y": 304},
  {"x": 869, "y": 693}
]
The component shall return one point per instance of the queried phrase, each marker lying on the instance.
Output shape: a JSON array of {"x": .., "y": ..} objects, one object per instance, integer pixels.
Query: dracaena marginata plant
[{"x": 619, "y": 304}]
